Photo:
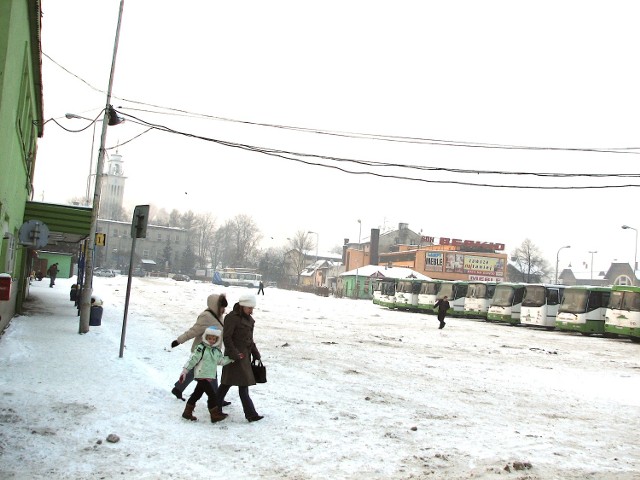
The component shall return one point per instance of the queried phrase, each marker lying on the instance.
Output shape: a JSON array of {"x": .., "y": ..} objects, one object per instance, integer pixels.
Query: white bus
[
  {"x": 384, "y": 291},
  {"x": 623, "y": 313},
  {"x": 237, "y": 277},
  {"x": 540, "y": 305},
  {"x": 406, "y": 297},
  {"x": 506, "y": 303},
  {"x": 478, "y": 299},
  {"x": 456, "y": 290},
  {"x": 583, "y": 309},
  {"x": 427, "y": 294}
]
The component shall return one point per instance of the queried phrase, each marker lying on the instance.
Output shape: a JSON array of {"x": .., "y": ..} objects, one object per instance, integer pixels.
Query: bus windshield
[
  {"x": 428, "y": 288},
  {"x": 574, "y": 301},
  {"x": 534, "y": 296},
  {"x": 631, "y": 301},
  {"x": 503, "y": 297}
]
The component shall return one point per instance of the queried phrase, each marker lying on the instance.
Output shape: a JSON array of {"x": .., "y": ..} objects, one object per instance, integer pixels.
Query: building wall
[
  {"x": 20, "y": 126},
  {"x": 117, "y": 250}
]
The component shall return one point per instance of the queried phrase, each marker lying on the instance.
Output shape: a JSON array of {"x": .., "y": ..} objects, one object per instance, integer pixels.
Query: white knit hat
[{"x": 247, "y": 300}]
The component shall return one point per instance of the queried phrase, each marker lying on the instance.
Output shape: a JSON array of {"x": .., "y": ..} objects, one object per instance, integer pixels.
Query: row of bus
[{"x": 606, "y": 310}]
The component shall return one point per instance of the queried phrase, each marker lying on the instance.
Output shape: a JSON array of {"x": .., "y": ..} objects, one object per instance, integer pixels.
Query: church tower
[{"x": 111, "y": 197}]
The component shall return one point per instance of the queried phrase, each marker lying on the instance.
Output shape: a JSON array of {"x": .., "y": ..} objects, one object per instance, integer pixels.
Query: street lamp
[
  {"x": 315, "y": 268},
  {"x": 93, "y": 139},
  {"x": 357, "y": 292},
  {"x": 110, "y": 118},
  {"x": 595, "y": 251},
  {"x": 558, "y": 260},
  {"x": 635, "y": 256}
]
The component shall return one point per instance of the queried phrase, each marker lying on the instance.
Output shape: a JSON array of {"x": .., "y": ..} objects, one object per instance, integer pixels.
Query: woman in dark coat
[
  {"x": 239, "y": 346},
  {"x": 443, "y": 306}
]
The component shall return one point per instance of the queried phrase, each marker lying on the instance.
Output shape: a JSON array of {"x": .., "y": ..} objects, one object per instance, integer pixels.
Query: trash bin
[{"x": 95, "y": 317}]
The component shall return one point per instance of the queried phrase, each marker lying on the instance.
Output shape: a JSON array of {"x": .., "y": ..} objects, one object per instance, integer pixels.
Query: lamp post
[
  {"x": 558, "y": 260},
  {"x": 93, "y": 139},
  {"x": 357, "y": 291},
  {"x": 591, "y": 276},
  {"x": 110, "y": 118},
  {"x": 635, "y": 255},
  {"x": 315, "y": 268}
]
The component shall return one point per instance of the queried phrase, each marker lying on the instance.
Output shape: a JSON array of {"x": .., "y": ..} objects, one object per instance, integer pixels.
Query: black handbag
[{"x": 259, "y": 371}]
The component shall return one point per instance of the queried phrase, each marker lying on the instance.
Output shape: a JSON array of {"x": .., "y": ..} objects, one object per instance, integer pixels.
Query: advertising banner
[
  {"x": 455, "y": 263},
  {"x": 433, "y": 262},
  {"x": 477, "y": 265}
]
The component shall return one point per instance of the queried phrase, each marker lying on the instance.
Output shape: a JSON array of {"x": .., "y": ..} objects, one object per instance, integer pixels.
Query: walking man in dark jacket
[
  {"x": 53, "y": 273},
  {"x": 443, "y": 306}
]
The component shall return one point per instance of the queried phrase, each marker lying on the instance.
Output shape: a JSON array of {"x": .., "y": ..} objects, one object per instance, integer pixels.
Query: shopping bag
[{"x": 259, "y": 371}]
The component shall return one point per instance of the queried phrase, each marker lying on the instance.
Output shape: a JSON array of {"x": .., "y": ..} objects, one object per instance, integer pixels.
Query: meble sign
[{"x": 465, "y": 243}]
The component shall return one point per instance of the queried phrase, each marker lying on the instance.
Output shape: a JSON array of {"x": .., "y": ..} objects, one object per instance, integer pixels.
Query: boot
[
  {"x": 217, "y": 415},
  {"x": 442, "y": 324},
  {"x": 188, "y": 412}
]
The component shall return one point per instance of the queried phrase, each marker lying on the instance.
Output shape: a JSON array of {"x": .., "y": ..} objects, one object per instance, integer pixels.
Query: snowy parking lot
[{"x": 354, "y": 391}]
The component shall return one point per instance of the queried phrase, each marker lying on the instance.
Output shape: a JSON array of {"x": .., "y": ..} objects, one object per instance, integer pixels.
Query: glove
[
  {"x": 256, "y": 358},
  {"x": 183, "y": 375},
  {"x": 175, "y": 343}
]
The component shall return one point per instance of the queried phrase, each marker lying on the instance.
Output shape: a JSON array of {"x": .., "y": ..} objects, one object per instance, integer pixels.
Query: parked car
[
  {"x": 138, "y": 272},
  {"x": 104, "y": 272},
  {"x": 178, "y": 277}
]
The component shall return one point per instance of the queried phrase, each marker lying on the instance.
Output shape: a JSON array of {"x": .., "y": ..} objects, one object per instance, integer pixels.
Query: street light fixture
[
  {"x": 357, "y": 292},
  {"x": 110, "y": 118},
  {"x": 591, "y": 276},
  {"x": 558, "y": 260},
  {"x": 635, "y": 255}
]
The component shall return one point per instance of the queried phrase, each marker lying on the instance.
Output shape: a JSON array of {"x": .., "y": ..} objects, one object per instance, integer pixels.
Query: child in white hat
[{"x": 204, "y": 361}]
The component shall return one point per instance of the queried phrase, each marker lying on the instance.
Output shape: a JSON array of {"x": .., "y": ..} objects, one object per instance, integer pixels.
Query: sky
[
  {"x": 354, "y": 391},
  {"x": 286, "y": 96}
]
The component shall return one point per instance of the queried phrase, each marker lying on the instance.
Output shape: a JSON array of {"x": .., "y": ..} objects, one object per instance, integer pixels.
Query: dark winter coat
[
  {"x": 238, "y": 338},
  {"x": 443, "y": 306}
]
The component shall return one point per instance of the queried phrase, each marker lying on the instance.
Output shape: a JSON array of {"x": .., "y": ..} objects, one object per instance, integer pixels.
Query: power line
[
  {"x": 379, "y": 137},
  {"x": 293, "y": 156}
]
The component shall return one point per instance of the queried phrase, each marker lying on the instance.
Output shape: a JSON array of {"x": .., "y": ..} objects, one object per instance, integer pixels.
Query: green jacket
[{"x": 206, "y": 359}]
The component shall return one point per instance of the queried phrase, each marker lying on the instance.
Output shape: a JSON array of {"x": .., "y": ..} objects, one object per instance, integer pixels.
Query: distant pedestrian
[
  {"x": 204, "y": 363},
  {"x": 261, "y": 288},
  {"x": 53, "y": 273},
  {"x": 213, "y": 315},
  {"x": 239, "y": 346},
  {"x": 443, "y": 305}
]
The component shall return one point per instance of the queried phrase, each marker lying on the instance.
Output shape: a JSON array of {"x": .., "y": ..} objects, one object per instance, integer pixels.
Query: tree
[
  {"x": 529, "y": 263},
  {"x": 166, "y": 255},
  {"x": 271, "y": 264},
  {"x": 205, "y": 230},
  {"x": 300, "y": 245},
  {"x": 188, "y": 260}
]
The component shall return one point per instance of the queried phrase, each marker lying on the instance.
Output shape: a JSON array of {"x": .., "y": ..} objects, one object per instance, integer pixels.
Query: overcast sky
[{"x": 549, "y": 75}]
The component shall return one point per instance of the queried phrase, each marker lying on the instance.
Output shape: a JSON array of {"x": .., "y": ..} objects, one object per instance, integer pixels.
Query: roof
[
  {"x": 385, "y": 272},
  {"x": 66, "y": 223},
  {"x": 147, "y": 261}
]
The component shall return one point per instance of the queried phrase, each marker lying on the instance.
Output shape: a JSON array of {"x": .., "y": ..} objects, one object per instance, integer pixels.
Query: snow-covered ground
[{"x": 354, "y": 391}]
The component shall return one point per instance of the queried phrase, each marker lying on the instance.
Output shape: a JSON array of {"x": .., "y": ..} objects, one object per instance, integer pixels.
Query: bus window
[{"x": 553, "y": 298}]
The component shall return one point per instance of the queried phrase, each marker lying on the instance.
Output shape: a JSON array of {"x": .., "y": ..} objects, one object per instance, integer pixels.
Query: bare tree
[
  {"x": 529, "y": 262},
  {"x": 175, "y": 218},
  {"x": 205, "y": 230},
  {"x": 300, "y": 245}
]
